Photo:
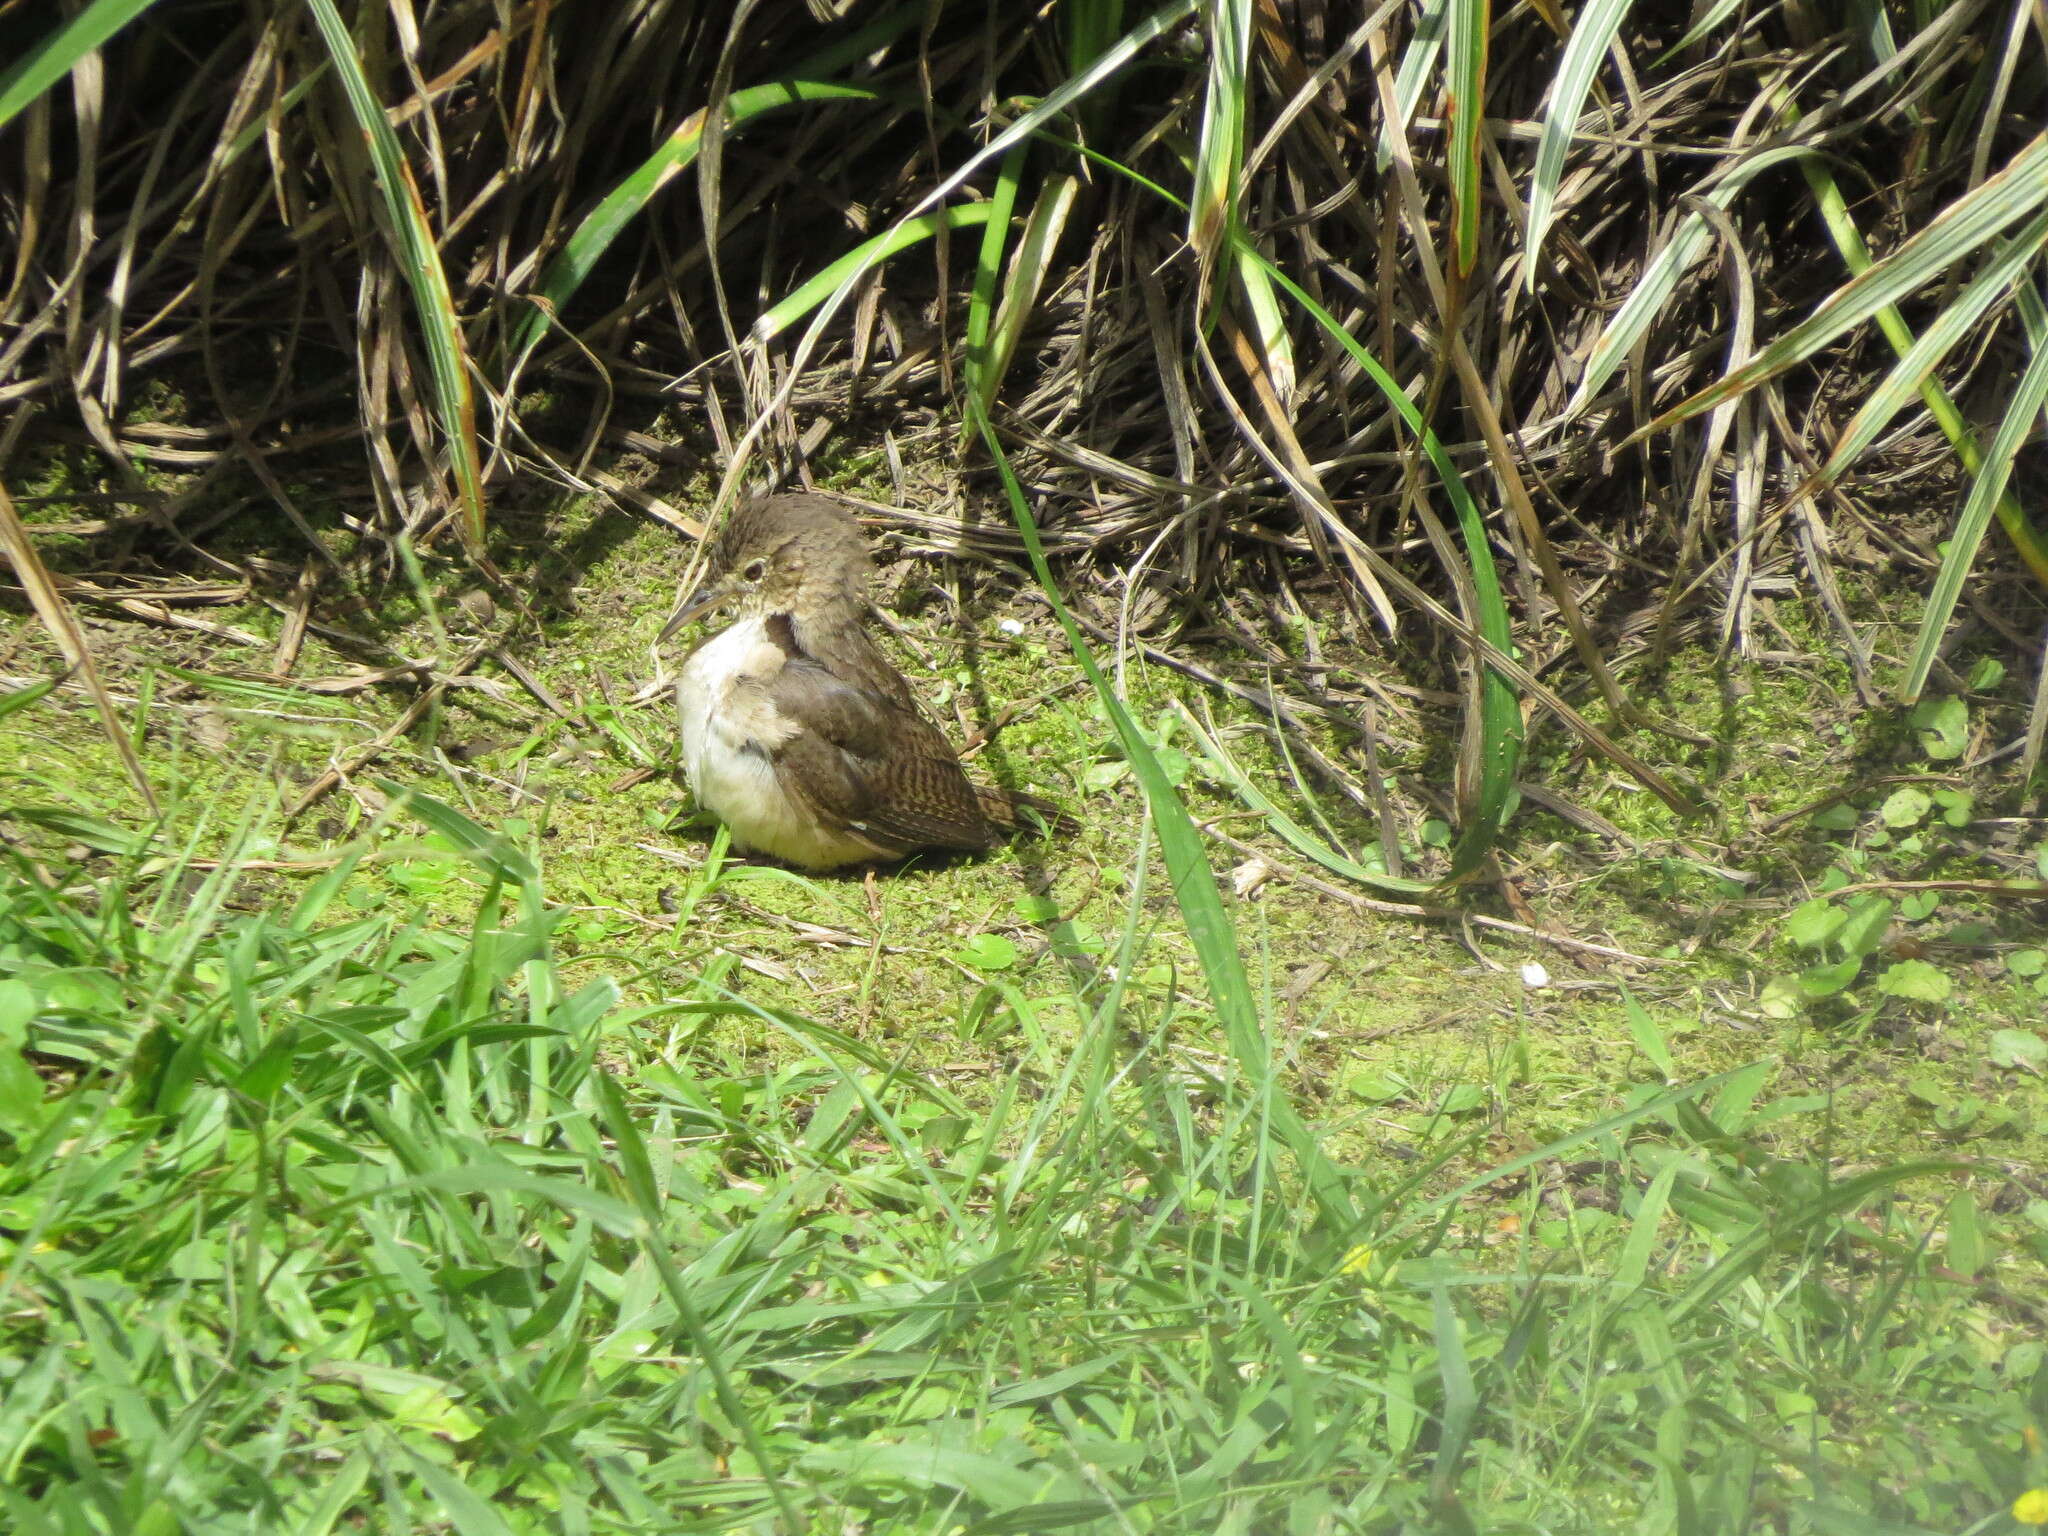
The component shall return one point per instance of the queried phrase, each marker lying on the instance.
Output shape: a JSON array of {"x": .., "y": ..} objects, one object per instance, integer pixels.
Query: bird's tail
[{"x": 1015, "y": 811}]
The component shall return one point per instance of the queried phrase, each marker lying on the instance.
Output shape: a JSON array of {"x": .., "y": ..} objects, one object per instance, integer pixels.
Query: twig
[
  {"x": 63, "y": 627},
  {"x": 1419, "y": 909},
  {"x": 405, "y": 722},
  {"x": 534, "y": 685},
  {"x": 293, "y": 635}
]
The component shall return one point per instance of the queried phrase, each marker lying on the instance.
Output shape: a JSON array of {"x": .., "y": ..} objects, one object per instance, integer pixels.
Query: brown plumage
[{"x": 797, "y": 731}]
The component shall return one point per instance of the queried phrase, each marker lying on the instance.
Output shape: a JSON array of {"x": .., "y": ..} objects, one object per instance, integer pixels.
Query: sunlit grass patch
[{"x": 386, "y": 1191}]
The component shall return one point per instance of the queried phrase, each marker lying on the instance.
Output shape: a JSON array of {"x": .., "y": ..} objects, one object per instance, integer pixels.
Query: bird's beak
[{"x": 696, "y": 606}]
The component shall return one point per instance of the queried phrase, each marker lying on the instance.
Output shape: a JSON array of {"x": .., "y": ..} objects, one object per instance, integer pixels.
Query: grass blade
[
  {"x": 863, "y": 258},
  {"x": 1193, "y": 881},
  {"x": 1576, "y": 72},
  {"x": 1412, "y": 74},
  {"x": 1661, "y": 276},
  {"x": 1212, "y": 206},
  {"x": 1050, "y": 106},
  {"x": 493, "y": 850},
  {"x": 626, "y": 201},
  {"x": 1467, "y": 25},
  {"x": 1028, "y": 268},
  {"x": 1987, "y": 490},
  {"x": 988, "y": 271},
  {"x": 1841, "y": 227},
  {"x": 419, "y": 261},
  {"x": 1716, "y": 13},
  {"x": 1215, "y": 206},
  {"x": 1962, "y": 227},
  {"x": 1287, "y": 828},
  {"x": 1909, "y": 374},
  {"x": 1461, "y": 1398},
  {"x": 1500, "y": 714},
  {"x": 55, "y": 613},
  {"x": 51, "y": 59},
  {"x": 21, "y": 698}
]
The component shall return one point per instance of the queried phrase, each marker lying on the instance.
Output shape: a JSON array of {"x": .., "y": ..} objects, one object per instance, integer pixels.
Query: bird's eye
[{"x": 754, "y": 570}]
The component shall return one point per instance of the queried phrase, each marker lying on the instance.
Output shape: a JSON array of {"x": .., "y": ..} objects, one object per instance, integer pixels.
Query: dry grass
[{"x": 194, "y": 209}]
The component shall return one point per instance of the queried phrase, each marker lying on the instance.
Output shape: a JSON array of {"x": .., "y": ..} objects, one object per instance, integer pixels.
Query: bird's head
[{"x": 800, "y": 553}]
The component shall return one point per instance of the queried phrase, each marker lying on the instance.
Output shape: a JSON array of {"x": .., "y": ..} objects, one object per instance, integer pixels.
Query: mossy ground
[{"x": 1398, "y": 1030}]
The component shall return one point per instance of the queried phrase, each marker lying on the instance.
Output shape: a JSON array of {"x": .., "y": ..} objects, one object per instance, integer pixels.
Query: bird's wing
[{"x": 865, "y": 762}]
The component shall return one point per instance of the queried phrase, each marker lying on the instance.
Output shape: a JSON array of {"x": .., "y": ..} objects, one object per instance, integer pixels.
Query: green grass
[
  {"x": 485, "y": 1150},
  {"x": 417, "y": 1191},
  {"x": 327, "y": 1216}
]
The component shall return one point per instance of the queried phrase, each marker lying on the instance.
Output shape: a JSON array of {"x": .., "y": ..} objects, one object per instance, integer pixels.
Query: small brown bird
[{"x": 797, "y": 732}]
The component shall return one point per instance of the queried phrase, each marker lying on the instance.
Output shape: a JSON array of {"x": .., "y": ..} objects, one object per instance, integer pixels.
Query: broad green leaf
[
  {"x": 1916, "y": 981},
  {"x": 1463, "y": 1099},
  {"x": 1965, "y": 1232},
  {"x": 1812, "y": 923},
  {"x": 988, "y": 952},
  {"x": 1944, "y": 727},
  {"x": 1918, "y": 906},
  {"x": 2021, "y": 1048},
  {"x": 1869, "y": 917},
  {"x": 1827, "y": 980},
  {"x": 1906, "y": 806},
  {"x": 1957, "y": 806},
  {"x": 21, "y": 1090}
]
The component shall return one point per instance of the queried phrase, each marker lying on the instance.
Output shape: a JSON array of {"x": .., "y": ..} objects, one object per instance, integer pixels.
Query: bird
[{"x": 797, "y": 731}]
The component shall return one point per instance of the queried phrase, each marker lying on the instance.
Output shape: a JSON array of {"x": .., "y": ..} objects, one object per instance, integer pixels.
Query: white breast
[{"x": 729, "y": 729}]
